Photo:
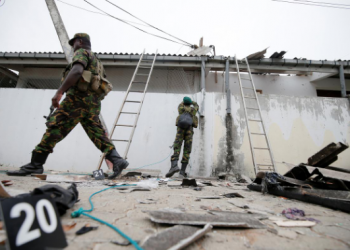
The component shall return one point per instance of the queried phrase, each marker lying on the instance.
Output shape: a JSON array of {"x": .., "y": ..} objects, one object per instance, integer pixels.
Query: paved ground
[{"x": 124, "y": 211}]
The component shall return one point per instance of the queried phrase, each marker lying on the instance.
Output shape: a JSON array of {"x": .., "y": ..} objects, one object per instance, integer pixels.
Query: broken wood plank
[
  {"x": 241, "y": 215},
  {"x": 209, "y": 197},
  {"x": 67, "y": 178},
  {"x": 327, "y": 155},
  {"x": 40, "y": 176},
  {"x": 3, "y": 192},
  {"x": 223, "y": 220},
  {"x": 175, "y": 238},
  {"x": 129, "y": 190},
  {"x": 295, "y": 223}
]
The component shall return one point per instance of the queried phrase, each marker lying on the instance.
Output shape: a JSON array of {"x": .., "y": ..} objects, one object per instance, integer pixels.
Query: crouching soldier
[{"x": 185, "y": 122}]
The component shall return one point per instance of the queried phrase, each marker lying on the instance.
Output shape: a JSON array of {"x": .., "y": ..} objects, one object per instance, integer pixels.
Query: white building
[{"x": 298, "y": 119}]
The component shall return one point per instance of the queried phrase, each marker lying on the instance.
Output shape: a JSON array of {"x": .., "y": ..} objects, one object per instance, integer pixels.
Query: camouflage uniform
[
  {"x": 83, "y": 107},
  {"x": 185, "y": 134}
]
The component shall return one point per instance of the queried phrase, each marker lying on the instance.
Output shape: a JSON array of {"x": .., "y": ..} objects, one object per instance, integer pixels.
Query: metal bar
[
  {"x": 133, "y": 101},
  {"x": 258, "y": 134},
  {"x": 227, "y": 87},
  {"x": 121, "y": 108},
  {"x": 249, "y": 97},
  {"x": 254, "y": 120},
  {"x": 119, "y": 140},
  {"x": 342, "y": 81},
  {"x": 252, "y": 108},
  {"x": 130, "y": 113},
  {"x": 123, "y": 125},
  {"x": 246, "y": 117},
  {"x": 202, "y": 86},
  {"x": 137, "y": 117},
  {"x": 262, "y": 122},
  {"x": 261, "y": 148}
]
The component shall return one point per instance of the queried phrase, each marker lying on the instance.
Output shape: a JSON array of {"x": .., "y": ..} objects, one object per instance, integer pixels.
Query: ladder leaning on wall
[
  {"x": 270, "y": 166},
  {"x": 145, "y": 66}
]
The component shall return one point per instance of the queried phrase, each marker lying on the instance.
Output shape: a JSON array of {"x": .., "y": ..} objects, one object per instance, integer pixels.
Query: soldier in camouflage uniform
[
  {"x": 185, "y": 135},
  {"x": 82, "y": 104}
]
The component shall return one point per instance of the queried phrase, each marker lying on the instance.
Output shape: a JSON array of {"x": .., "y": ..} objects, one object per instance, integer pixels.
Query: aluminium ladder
[
  {"x": 257, "y": 166},
  {"x": 144, "y": 64}
]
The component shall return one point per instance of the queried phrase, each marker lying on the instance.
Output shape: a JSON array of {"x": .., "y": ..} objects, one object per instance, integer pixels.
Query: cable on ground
[{"x": 81, "y": 211}]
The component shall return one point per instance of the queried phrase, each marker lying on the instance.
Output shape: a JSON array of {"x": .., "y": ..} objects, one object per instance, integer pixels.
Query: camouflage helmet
[{"x": 78, "y": 35}]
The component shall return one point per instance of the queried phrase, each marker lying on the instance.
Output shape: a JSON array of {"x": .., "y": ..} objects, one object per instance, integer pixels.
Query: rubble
[
  {"x": 298, "y": 183},
  {"x": 179, "y": 218},
  {"x": 235, "y": 220},
  {"x": 174, "y": 238}
]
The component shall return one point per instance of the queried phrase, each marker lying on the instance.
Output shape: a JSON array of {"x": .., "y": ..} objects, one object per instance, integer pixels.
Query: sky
[{"x": 239, "y": 27}]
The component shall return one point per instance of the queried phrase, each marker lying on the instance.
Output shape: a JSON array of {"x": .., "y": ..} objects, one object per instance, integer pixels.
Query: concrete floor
[{"x": 124, "y": 211}]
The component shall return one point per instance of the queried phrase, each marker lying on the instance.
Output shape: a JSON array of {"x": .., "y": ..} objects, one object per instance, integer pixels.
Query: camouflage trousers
[
  {"x": 183, "y": 135},
  {"x": 84, "y": 108}
]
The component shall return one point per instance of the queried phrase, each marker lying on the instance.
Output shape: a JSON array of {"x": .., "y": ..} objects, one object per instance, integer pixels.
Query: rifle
[{"x": 51, "y": 111}]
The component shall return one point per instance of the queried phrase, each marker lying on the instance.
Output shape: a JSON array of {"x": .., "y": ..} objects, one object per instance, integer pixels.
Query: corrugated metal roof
[{"x": 23, "y": 53}]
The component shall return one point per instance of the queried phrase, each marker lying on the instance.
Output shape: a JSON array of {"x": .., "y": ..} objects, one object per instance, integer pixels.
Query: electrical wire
[
  {"x": 82, "y": 211},
  {"x": 135, "y": 26},
  {"x": 337, "y": 4},
  {"x": 318, "y": 5},
  {"x": 95, "y": 12},
  {"x": 148, "y": 23}
]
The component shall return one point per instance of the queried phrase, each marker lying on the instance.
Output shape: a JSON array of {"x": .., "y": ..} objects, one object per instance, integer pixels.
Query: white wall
[
  {"x": 297, "y": 127},
  {"x": 179, "y": 81}
]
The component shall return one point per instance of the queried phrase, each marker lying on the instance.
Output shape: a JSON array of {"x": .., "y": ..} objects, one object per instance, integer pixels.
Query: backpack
[{"x": 185, "y": 120}]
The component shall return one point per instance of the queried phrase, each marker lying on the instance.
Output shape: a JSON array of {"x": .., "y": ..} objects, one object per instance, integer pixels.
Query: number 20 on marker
[
  {"x": 32, "y": 223},
  {"x": 24, "y": 234}
]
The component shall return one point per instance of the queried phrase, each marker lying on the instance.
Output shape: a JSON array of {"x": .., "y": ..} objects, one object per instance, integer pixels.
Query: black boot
[
  {"x": 183, "y": 170},
  {"x": 173, "y": 169},
  {"x": 34, "y": 167},
  {"x": 118, "y": 163}
]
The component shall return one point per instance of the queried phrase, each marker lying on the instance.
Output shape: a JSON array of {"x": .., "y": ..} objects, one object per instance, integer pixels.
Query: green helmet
[
  {"x": 187, "y": 100},
  {"x": 78, "y": 35}
]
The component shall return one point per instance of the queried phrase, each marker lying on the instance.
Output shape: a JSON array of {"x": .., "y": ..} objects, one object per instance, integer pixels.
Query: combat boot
[
  {"x": 118, "y": 163},
  {"x": 173, "y": 169},
  {"x": 34, "y": 167},
  {"x": 183, "y": 170}
]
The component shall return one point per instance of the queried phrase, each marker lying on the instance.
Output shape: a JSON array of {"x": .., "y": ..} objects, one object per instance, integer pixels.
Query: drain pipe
[
  {"x": 227, "y": 87},
  {"x": 202, "y": 86},
  {"x": 342, "y": 81}
]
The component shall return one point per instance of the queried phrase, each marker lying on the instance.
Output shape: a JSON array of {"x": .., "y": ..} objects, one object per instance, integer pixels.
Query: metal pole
[
  {"x": 227, "y": 86},
  {"x": 67, "y": 49},
  {"x": 342, "y": 80},
  {"x": 203, "y": 85},
  {"x": 60, "y": 29}
]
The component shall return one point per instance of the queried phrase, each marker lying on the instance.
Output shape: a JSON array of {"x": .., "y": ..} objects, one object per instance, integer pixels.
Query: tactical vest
[{"x": 97, "y": 83}]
